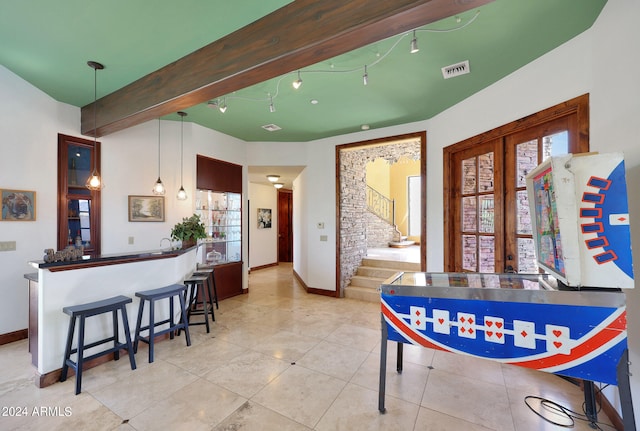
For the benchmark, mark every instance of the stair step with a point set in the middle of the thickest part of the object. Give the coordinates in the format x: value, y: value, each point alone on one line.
x: 362, y: 293
x: 369, y: 282
x: 378, y: 272
x: 391, y: 264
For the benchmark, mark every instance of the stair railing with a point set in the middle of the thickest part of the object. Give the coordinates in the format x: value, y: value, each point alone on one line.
x: 382, y: 206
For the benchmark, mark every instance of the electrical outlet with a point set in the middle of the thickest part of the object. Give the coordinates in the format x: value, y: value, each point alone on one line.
x: 130, y: 240
x: 320, y: 225
x: 7, y: 245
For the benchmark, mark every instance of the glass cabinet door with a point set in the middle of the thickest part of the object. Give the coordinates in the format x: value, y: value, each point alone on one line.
x: 221, y: 214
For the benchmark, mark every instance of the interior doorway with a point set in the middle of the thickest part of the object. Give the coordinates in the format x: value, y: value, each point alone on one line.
x: 351, y: 197
x: 285, y: 225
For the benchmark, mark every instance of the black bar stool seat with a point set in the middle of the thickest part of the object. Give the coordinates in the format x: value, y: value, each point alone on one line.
x: 209, y: 269
x: 196, y: 298
x: 152, y: 296
x: 82, y: 311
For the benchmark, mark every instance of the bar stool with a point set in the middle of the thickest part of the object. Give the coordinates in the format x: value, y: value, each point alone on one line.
x: 209, y: 269
x: 152, y: 296
x: 196, y: 297
x: 82, y: 311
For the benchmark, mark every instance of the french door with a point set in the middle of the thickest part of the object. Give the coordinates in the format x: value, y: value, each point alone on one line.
x: 487, y: 220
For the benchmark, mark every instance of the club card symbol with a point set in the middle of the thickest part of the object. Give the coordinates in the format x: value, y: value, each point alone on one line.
x: 418, y: 318
x: 494, y: 329
x: 524, y: 334
x: 558, y: 340
x: 441, y: 322
x: 467, y: 325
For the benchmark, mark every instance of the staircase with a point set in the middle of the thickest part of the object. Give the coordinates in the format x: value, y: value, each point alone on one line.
x: 371, y: 274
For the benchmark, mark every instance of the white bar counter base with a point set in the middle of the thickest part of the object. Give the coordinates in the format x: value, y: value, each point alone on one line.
x: 58, y: 288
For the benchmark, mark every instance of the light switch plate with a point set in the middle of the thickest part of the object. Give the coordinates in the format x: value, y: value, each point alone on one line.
x: 7, y: 245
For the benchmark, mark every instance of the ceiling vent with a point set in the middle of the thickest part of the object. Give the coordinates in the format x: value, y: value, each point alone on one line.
x: 457, y: 69
x: 271, y: 127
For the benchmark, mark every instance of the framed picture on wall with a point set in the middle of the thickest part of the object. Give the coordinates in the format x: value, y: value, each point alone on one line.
x: 18, y: 205
x: 264, y: 218
x: 146, y: 208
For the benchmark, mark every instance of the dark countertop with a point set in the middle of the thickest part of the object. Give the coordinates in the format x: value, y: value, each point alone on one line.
x: 109, y: 259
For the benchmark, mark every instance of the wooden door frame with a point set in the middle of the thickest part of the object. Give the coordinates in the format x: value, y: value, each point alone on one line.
x: 422, y: 137
x: 578, y: 106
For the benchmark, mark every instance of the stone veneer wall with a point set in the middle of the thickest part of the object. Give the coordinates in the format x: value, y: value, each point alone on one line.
x: 353, y: 199
x: 379, y: 231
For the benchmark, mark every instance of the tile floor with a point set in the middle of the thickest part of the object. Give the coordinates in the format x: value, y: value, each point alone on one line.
x: 281, y: 359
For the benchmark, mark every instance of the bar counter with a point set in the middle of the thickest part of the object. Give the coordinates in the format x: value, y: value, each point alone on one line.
x: 61, y: 284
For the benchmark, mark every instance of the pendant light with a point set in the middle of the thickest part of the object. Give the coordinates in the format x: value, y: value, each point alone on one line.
x: 182, y: 195
x: 158, y: 187
x: 94, y: 182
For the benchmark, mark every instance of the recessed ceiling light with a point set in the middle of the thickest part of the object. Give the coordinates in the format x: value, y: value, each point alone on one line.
x: 314, y: 101
x: 271, y: 127
x: 365, y: 127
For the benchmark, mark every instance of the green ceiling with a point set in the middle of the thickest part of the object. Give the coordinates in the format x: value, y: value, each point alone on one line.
x: 48, y: 43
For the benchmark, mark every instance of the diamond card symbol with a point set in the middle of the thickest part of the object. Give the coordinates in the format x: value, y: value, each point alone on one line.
x: 558, y: 340
x: 524, y: 334
x: 441, y: 322
x: 493, y: 329
x: 418, y: 318
x: 466, y: 325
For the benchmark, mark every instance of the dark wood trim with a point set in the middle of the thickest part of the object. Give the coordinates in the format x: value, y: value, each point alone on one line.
x: 257, y: 268
x: 313, y: 290
x: 92, y: 264
x: 300, y: 34
x: 422, y: 135
x: 578, y: 106
x: 11, y: 337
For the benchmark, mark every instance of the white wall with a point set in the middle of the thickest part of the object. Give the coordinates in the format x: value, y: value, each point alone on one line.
x: 263, y: 246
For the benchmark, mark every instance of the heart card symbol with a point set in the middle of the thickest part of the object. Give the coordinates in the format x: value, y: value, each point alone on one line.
x: 557, y: 332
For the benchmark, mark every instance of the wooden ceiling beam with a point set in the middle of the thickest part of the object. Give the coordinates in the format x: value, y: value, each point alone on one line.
x: 300, y: 34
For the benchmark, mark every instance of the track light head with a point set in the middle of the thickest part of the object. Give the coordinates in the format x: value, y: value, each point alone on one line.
x: 365, y: 77
x: 298, y: 82
x: 414, y: 44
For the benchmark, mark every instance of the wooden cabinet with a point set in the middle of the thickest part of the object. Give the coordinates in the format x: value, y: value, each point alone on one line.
x: 219, y: 204
x: 78, y: 207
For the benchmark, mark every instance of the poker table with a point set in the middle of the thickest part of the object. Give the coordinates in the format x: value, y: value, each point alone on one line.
x: 519, y: 319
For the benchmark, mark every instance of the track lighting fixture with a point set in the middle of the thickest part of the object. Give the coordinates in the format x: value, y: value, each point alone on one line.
x: 182, y: 194
x: 94, y: 182
x: 158, y: 187
x: 365, y: 77
x: 223, y: 106
x: 298, y: 82
x: 414, y: 44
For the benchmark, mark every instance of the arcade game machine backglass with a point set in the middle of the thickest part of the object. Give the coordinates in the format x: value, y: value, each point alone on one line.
x: 569, y: 321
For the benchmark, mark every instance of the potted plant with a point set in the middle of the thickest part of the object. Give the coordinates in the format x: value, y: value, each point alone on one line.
x: 189, y: 230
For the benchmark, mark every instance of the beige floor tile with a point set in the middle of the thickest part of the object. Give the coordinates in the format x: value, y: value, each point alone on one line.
x: 201, y: 359
x: 333, y: 359
x: 472, y: 400
x: 463, y: 365
x: 357, y: 337
x: 247, y: 373
x: 430, y: 420
x: 356, y: 409
x: 251, y: 416
x: 286, y: 345
x: 143, y: 388
x: 200, y: 405
x: 408, y: 385
x: 300, y: 394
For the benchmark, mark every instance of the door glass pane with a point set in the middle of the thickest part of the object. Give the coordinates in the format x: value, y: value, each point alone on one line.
x: 79, y: 164
x: 469, y: 214
x: 486, y: 216
x: 469, y: 176
x: 522, y: 213
x: 526, y: 160
x: 555, y: 145
x: 469, y: 254
x: 526, y: 256
x: 487, y: 254
x: 485, y: 172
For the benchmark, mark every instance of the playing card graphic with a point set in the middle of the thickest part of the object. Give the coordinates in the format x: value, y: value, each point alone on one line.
x: 494, y: 329
x: 466, y: 325
x: 558, y: 340
x: 441, y: 322
x: 524, y: 334
x: 418, y: 318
